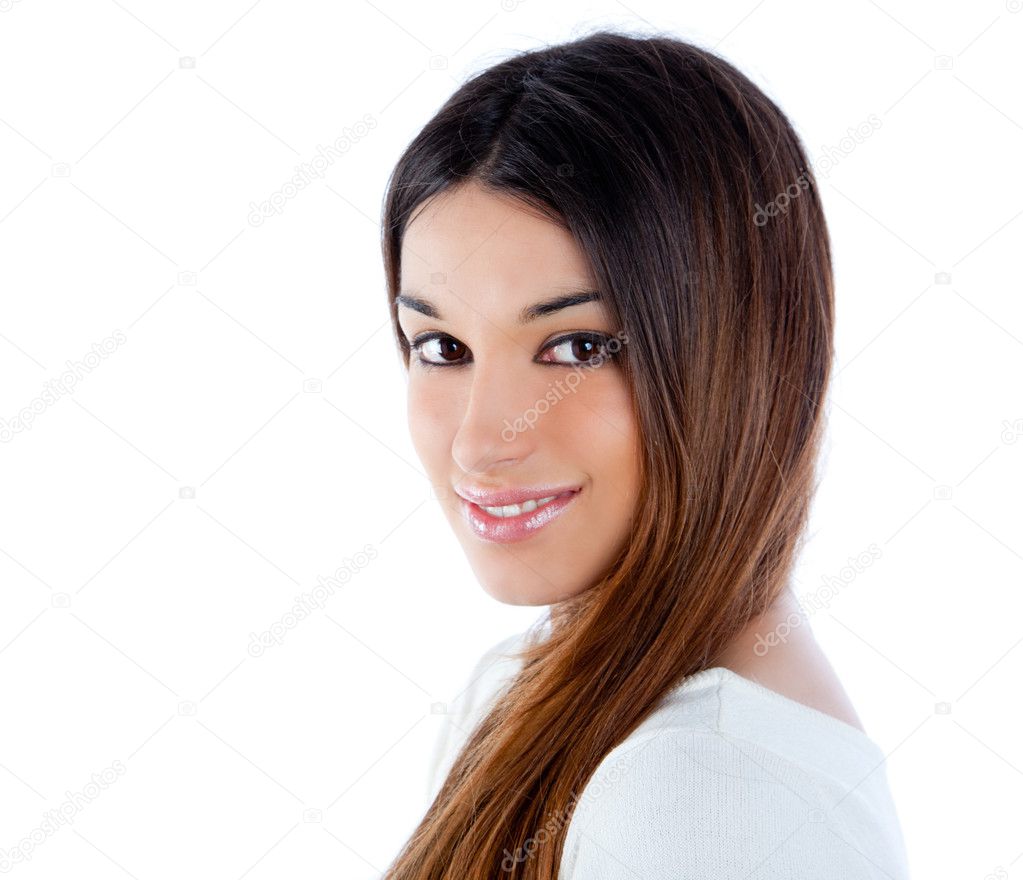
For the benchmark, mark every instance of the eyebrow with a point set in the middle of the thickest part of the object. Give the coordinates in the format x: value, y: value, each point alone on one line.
x: 526, y: 315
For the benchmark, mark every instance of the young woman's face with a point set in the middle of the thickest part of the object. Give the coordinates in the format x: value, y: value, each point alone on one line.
x: 507, y: 405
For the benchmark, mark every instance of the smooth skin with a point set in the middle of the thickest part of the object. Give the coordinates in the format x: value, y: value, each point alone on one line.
x: 478, y: 258
x: 496, y: 258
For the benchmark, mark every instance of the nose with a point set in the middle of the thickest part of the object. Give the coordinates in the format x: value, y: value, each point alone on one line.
x: 497, y: 430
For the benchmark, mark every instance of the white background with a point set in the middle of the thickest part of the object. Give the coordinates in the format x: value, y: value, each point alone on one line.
x: 257, y: 375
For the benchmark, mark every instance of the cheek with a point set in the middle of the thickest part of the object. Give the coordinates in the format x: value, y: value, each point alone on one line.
x: 602, y: 408
x: 432, y: 420
x: 608, y: 433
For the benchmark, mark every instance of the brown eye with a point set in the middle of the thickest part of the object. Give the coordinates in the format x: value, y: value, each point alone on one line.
x: 437, y: 349
x: 584, y: 347
x: 445, y: 350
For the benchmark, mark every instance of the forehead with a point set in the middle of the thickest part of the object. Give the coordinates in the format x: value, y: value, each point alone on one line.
x: 474, y: 241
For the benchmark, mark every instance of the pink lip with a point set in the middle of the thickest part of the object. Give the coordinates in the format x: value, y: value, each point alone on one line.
x: 504, y: 530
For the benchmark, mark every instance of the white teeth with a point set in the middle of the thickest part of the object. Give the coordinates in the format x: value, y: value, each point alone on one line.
x: 516, y: 509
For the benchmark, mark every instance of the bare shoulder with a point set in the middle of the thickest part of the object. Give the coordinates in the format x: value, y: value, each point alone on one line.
x: 815, y: 684
x: 796, y: 668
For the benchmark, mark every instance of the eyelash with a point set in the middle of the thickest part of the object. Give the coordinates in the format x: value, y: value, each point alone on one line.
x: 598, y: 338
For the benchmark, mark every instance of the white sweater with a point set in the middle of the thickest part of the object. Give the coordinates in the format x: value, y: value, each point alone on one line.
x: 725, y: 779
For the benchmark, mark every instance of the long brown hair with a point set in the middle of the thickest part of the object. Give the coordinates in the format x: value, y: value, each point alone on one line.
x: 691, y: 196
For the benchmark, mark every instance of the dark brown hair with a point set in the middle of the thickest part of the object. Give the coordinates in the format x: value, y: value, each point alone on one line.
x: 690, y: 194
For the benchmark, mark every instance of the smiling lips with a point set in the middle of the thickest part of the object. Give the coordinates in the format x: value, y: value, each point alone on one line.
x: 509, y: 510
x: 514, y: 521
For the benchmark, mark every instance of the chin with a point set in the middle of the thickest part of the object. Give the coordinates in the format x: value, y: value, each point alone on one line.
x: 514, y: 597
x: 502, y: 580
x: 515, y: 584
x: 515, y: 591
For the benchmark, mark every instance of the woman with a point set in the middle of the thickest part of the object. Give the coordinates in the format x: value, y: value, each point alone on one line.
x: 610, y: 281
